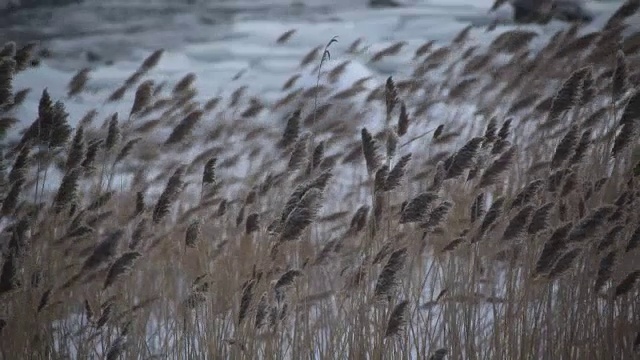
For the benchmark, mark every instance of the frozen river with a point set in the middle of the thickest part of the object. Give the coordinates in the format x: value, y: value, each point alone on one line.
x: 228, y: 44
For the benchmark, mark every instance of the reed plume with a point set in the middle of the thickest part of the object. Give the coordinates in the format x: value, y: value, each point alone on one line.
x: 605, y: 270
x: 417, y: 208
x: 552, y: 249
x: 370, y: 151
x: 588, y: 225
x: 104, y: 251
x: 540, y: 218
x: 620, y: 76
x: 396, y: 174
x: 518, y: 223
x: 441, y: 353
x: 121, y: 267
x: 398, y: 319
x: 389, y: 277
x: 192, y: 235
x: 494, y: 212
x: 463, y: 159
x: 627, y: 9
x: 390, y: 96
x: 437, y: 215
x: 568, y: 94
x: 565, y: 147
x: 78, y: 82
x: 631, y: 112
x: 67, y: 192
x: 627, y: 283
x: 302, y: 215
x: 403, y: 120
x: 184, y: 128
x: 491, y: 175
x: 142, y: 98
x: 564, y: 263
x: 634, y: 240
x: 169, y: 195
x: 7, y: 70
x: 609, y: 239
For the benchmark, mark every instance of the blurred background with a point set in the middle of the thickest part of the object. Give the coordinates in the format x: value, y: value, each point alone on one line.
x: 108, y: 30
x: 232, y: 43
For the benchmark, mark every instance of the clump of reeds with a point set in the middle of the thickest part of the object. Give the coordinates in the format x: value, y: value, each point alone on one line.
x: 316, y: 237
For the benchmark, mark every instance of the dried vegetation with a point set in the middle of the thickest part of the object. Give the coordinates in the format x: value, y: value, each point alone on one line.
x: 510, y: 234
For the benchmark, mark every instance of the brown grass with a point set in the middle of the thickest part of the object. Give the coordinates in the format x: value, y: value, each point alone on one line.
x: 511, y: 233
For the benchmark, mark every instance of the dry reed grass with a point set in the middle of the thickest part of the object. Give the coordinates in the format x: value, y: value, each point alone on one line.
x: 511, y: 236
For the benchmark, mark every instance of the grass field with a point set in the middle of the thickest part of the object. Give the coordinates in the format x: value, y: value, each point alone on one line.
x: 347, y: 224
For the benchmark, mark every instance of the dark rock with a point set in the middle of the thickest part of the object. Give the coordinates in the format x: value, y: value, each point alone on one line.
x: 535, y: 11
x: 16, y: 5
x: 383, y: 3
x: 93, y: 56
